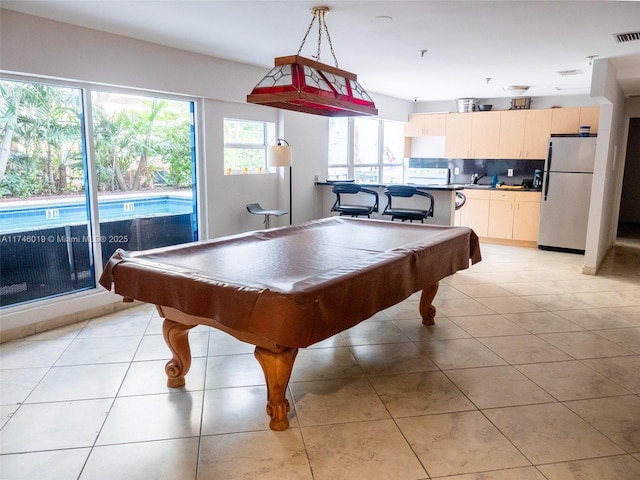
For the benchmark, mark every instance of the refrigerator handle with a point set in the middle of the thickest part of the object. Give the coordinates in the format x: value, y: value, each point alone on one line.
x: 548, y: 168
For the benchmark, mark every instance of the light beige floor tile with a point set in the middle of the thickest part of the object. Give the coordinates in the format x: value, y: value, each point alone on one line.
x: 617, y: 417
x: 52, y: 464
x: 584, y: 345
x: 512, y: 304
x: 238, y: 409
x: 233, y: 371
x: 626, y: 337
x: 17, y: 384
x: 479, y: 290
x: 612, y: 468
x: 364, y: 450
x: 488, y: 325
x: 6, y: 412
x: 461, y: 306
x: 175, y: 459
x: 392, y: 358
x: 460, y: 353
x: 524, y: 349
x: 83, y: 351
x: 622, y: 370
x: 571, y: 380
x: 444, y: 329
x: 221, y: 343
x: 619, y: 298
x: 457, y: 443
x: 67, y: 332
x: 524, y: 473
x: 491, y: 387
x: 28, y: 354
x: 600, y: 318
x: 407, y: 309
x: 324, y: 364
x: 550, y: 432
x: 81, y: 382
x: 542, y: 322
x: 53, y: 426
x: 331, y: 342
x: 336, y: 401
x: 116, y: 325
x: 419, y: 394
x: 265, y: 455
x: 144, y: 378
x: 152, y: 417
x: 154, y: 347
x: 374, y: 331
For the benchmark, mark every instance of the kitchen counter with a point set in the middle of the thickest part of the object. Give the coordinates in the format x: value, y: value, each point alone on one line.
x: 448, y: 187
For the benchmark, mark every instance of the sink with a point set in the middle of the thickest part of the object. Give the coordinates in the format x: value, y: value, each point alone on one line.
x: 473, y: 185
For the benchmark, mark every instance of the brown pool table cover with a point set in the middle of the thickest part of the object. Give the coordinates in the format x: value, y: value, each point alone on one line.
x: 295, y: 286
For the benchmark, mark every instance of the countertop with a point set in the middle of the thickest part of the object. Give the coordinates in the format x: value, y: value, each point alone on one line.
x: 448, y: 187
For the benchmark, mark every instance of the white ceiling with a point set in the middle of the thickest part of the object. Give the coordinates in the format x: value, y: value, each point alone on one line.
x: 474, y: 48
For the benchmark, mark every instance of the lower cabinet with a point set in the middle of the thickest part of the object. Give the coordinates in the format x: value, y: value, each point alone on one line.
x: 500, y: 214
x: 475, y: 212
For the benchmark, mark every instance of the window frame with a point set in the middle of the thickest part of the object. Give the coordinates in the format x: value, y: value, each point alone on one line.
x: 380, y: 164
x: 91, y: 183
x: 268, y: 138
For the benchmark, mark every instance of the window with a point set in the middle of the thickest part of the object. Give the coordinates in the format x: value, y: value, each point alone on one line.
x: 143, y: 168
x: 367, y: 150
x: 245, y: 146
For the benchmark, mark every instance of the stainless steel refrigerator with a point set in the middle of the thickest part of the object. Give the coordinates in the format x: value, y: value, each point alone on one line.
x: 566, y: 193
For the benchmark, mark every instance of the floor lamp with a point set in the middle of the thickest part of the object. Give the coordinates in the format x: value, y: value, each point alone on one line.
x: 280, y: 156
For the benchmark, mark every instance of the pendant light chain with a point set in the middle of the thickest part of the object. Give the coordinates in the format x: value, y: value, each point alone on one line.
x: 319, y: 12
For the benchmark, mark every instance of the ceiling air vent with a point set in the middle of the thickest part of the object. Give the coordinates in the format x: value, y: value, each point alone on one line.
x: 566, y: 73
x: 626, y: 37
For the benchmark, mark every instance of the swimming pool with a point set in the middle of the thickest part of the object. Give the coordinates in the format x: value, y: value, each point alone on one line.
x: 47, y: 247
x: 41, y: 216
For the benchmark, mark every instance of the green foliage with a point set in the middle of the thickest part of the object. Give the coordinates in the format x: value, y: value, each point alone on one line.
x: 133, y: 138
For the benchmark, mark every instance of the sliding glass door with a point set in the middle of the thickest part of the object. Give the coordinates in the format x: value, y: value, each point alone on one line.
x: 142, y: 166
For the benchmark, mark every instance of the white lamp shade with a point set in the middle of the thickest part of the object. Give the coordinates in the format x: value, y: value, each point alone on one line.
x: 279, y: 156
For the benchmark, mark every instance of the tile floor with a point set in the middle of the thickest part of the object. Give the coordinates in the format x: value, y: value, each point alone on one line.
x: 531, y: 373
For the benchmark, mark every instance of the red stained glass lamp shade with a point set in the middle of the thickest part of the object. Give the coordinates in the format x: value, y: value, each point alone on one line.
x: 303, y: 85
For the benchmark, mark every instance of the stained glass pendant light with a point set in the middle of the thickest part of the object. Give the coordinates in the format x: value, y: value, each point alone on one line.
x: 304, y: 85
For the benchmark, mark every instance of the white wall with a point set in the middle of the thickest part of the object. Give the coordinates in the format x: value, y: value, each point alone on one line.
x: 45, y: 49
x: 609, y: 165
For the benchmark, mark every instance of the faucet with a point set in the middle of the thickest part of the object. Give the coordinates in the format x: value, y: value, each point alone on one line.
x: 475, y: 177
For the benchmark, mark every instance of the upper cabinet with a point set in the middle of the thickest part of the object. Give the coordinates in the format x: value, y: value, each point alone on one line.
x: 569, y: 120
x: 457, y: 143
x: 485, y: 134
x: 509, y: 134
x: 426, y: 125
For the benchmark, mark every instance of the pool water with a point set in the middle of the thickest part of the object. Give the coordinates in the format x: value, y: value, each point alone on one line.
x: 41, y: 217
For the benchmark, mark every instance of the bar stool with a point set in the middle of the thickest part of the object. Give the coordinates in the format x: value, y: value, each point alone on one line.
x: 256, y: 209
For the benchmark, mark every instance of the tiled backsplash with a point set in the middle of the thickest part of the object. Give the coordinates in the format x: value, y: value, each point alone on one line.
x: 522, y: 169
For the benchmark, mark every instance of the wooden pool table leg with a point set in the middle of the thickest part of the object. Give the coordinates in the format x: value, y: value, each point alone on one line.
x: 176, y: 335
x: 277, y: 368
x: 427, y: 310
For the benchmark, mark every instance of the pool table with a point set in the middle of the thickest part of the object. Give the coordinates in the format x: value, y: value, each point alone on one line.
x: 287, y: 288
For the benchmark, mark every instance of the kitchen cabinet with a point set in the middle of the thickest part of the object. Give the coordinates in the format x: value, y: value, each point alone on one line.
x: 457, y: 143
x: 475, y: 212
x: 485, y: 134
x: 514, y: 215
x: 508, y: 216
x: 526, y: 216
x: 426, y: 125
x: 569, y: 120
x: 537, y: 130
x: 512, y: 124
x: 524, y: 134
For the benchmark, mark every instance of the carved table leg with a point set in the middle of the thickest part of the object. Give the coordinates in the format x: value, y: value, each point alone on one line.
x: 277, y: 370
x: 427, y: 310
x: 176, y: 335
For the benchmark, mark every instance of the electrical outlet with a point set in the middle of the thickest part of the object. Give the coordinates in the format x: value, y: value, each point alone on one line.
x: 456, y: 171
x: 510, y: 172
